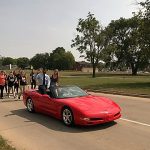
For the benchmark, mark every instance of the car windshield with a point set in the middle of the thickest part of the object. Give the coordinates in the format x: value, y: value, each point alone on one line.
x: 67, y: 92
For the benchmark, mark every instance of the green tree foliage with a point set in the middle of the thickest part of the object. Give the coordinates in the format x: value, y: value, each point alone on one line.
x: 89, y: 40
x: 0, y: 63
x: 144, y: 14
x: 40, y: 61
x: 61, y: 59
x: 125, y: 36
x: 69, y: 61
x: 23, y: 62
x: 7, y: 61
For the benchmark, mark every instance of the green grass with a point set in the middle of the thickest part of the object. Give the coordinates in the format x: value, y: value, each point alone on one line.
x: 110, y: 81
x: 120, y: 84
x: 4, y: 145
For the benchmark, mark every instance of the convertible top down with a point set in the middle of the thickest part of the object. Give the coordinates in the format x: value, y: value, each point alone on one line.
x: 72, y: 105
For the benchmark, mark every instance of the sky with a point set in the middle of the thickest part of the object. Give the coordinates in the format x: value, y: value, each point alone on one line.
x: 28, y: 27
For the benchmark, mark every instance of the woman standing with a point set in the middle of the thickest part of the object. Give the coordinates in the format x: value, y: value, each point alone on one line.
x: 55, y: 78
x: 11, y: 81
x: 2, y: 83
x: 16, y: 85
x: 22, y: 83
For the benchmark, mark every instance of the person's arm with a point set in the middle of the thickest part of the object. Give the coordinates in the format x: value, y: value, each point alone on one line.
x: 37, y: 79
x: 26, y: 80
x: 19, y: 80
x: 15, y: 81
x: 49, y: 81
x: 57, y: 80
x: 6, y: 79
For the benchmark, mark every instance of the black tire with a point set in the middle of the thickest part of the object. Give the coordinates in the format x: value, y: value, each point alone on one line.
x: 30, y: 105
x: 67, y: 116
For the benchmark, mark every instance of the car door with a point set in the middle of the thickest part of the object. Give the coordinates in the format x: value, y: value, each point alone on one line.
x: 37, y: 97
x: 49, y: 104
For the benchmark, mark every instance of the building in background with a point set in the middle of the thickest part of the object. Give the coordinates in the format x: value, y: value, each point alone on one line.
x: 84, y: 67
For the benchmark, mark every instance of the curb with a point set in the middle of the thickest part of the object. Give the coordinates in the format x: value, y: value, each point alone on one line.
x: 119, y: 93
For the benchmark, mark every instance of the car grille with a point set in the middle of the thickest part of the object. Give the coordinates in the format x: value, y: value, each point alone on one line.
x: 94, y: 119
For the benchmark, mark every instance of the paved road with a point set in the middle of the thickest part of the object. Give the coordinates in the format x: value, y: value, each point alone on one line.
x: 39, y: 132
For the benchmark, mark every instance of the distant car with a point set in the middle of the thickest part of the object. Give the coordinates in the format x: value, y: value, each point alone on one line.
x: 72, y: 105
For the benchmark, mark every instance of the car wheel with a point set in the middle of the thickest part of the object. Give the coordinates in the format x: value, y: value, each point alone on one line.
x: 30, y: 105
x: 67, y: 116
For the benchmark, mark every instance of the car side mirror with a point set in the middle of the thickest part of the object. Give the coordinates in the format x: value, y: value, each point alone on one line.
x: 87, y: 92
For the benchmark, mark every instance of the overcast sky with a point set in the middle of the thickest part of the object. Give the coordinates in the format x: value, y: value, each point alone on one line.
x: 28, y: 27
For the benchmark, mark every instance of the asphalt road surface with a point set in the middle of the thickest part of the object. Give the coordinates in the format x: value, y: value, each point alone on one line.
x: 28, y: 131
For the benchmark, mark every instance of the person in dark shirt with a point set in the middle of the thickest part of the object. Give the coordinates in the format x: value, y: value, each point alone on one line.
x: 43, y: 81
x: 33, y: 79
x: 16, y: 85
x: 22, y: 83
x: 55, y: 78
x: 11, y: 81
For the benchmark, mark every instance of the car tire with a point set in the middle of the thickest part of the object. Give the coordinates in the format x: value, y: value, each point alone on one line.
x: 67, y: 116
x: 30, y: 105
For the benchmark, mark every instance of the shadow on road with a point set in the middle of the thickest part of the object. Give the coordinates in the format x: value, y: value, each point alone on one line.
x: 54, y: 124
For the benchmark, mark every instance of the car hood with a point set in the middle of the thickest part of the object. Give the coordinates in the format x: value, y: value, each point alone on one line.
x: 92, y: 103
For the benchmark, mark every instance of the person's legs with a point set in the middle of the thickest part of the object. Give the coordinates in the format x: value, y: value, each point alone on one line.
x: 20, y: 93
x: 24, y: 88
x: 6, y: 89
x: 1, y: 88
x: 31, y: 85
x: 34, y: 84
x: 13, y: 91
x: 9, y: 88
x: 16, y: 87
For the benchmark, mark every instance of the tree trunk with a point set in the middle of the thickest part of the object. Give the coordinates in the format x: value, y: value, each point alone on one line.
x: 94, y: 68
x: 134, y: 69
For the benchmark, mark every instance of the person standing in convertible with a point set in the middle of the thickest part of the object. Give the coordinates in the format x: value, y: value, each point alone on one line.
x: 43, y: 81
x: 55, y: 78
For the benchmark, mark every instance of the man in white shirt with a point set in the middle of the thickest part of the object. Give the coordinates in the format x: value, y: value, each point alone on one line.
x: 43, y: 81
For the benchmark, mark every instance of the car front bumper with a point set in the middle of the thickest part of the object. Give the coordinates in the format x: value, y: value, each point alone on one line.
x: 96, y: 121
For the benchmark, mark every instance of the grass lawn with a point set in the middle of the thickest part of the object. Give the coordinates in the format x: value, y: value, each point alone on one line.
x: 121, y: 84
x: 111, y: 81
x: 4, y: 145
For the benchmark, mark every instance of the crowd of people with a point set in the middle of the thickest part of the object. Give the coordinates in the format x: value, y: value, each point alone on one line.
x: 16, y: 82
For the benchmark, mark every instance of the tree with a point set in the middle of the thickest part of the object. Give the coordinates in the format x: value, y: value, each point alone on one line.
x: 56, y: 58
x: 23, y: 62
x: 40, y: 61
x: 125, y: 36
x: 144, y: 14
x: 59, y: 50
x: 0, y: 63
x: 69, y: 61
x: 61, y: 59
x: 89, y: 40
x: 7, y: 61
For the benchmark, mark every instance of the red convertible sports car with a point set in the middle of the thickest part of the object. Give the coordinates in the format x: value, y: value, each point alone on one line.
x: 72, y: 105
